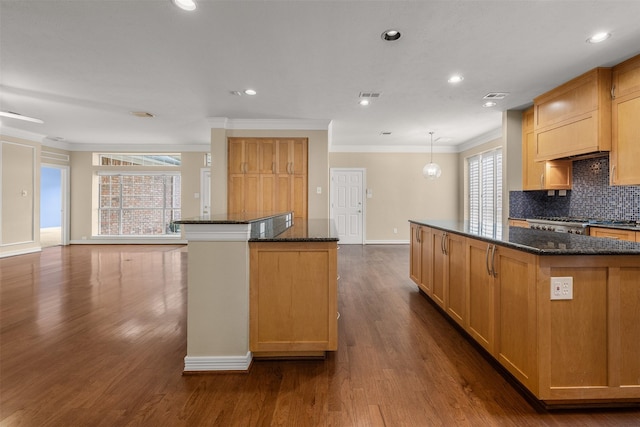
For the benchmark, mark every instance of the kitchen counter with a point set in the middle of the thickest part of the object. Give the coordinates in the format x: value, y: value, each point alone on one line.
x: 242, y: 263
x: 558, y: 311
x: 274, y: 227
x: 541, y: 242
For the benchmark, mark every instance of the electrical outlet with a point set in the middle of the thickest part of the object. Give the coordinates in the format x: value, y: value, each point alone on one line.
x: 561, y: 288
x: 395, y: 231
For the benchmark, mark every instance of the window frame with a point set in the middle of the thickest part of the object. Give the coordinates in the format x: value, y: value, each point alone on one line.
x: 485, y: 217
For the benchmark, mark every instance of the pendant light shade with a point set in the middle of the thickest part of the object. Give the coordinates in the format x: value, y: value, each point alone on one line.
x: 431, y: 170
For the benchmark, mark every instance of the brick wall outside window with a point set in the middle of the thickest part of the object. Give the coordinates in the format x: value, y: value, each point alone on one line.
x: 139, y: 205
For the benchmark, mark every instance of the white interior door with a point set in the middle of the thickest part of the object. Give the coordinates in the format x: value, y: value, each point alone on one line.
x: 347, y: 204
x: 205, y: 191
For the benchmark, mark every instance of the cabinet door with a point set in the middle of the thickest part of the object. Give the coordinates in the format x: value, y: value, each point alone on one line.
x: 456, y: 300
x: 481, y: 300
x: 252, y: 155
x: 298, y: 156
x: 438, y: 265
x: 532, y: 171
x: 574, y: 118
x: 415, y: 261
x: 299, y: 196
x: 611, y: 233
x: 236, y: 156
x: 293, y: 297
x: 267, y: 157
x: 515, y: 281
x: 252, y: 193
x: 267, y: 192
x: 625, y: 110
x: 235, y: 199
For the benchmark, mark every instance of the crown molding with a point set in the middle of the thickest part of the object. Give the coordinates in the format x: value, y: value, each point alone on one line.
x: 480, y: 139
x: 22, y: 134
x: 268, y: 124
x: 392, y: 149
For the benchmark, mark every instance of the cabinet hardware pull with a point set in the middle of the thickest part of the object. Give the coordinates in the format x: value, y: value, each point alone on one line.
x: 273, y: 167
x: 446, y: 244
x: 541, y: 180
x: 493, y: 262
x: 418, y: 234
x: 613, y: 173
x: 486, y: 259
x: 613, y: 92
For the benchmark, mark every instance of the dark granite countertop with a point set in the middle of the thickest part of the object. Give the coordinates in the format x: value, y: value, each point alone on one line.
x: 303, y: 230
x: 541, y: 242
x: 237, y: 218
x: 275, y: 227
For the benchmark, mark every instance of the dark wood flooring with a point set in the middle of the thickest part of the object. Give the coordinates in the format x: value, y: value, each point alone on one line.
x: 95, y: 336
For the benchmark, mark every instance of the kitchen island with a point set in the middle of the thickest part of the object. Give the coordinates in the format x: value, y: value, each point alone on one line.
x: 573, y: 343
x: 253, y: 279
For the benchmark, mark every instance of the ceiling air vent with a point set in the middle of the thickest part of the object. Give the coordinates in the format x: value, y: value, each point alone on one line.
x: 496, y: 95
x: 370, y: 94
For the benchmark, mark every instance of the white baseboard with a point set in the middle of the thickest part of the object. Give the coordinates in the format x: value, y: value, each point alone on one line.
x: 217, y: 363
x: 141, y: 241
x: 20, y: 252
x: 386, y: 242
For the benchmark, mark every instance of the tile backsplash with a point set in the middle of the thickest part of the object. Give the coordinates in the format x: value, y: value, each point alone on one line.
x: 591, y: 196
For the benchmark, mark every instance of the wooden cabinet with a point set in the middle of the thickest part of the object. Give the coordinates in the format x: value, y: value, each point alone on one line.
x: 518, y: 223
x: 516, y: 313
x: 482, y: 293
x: 420, y: 264
x: 455, y: 289
x: 613, y: 233
x: 266, y: 175
x: 541, y: 175
x: 293, y: 298
x: 291, y: 176
x: 574, y: 118
x: 625, y: 114
x: 562, y: 351
x: 437, y: 267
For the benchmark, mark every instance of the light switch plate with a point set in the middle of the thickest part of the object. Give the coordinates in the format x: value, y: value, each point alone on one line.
x: 561, y: 288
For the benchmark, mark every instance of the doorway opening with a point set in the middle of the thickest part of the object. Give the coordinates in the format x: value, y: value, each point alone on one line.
x: 54, y: 225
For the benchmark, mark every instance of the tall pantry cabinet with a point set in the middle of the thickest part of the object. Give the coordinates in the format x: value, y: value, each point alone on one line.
x: 267, y: 175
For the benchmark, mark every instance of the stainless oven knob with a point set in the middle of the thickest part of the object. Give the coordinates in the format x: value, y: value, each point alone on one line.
x: 578, y: 231
x: 570, y: 231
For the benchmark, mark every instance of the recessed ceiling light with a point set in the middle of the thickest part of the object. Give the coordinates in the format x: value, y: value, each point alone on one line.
x: 364, y: 102
x: 489, y: 104
x: 598, y: 37
x: 185, y: 4
x: 142, y: 114
x: 18, y: 116
x: 456, y: 78
x: 391, y: 35
x: 250, y: 92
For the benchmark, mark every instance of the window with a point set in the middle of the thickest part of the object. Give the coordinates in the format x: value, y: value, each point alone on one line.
x: 138, y: 204
x: 123, y: 159
x: 485, y: 193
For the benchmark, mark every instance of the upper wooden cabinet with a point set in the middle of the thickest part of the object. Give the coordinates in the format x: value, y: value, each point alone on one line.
x: 267, y: 175
x: 541, y: 175
x: 625, y: 115
x: 574, y: 118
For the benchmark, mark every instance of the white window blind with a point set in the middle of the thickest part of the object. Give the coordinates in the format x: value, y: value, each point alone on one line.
x: 485, y: 193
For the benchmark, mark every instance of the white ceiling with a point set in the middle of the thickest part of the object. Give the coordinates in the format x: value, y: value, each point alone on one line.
x: 82, y: 66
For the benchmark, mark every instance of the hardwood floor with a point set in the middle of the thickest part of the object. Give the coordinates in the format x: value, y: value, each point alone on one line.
x: 95, y: 336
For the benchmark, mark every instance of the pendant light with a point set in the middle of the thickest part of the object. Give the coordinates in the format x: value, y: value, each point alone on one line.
x: 431, y: 170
